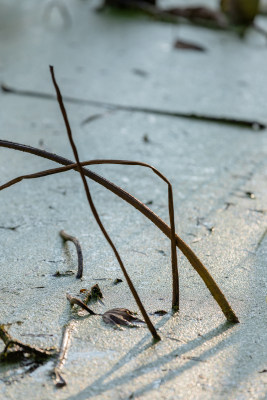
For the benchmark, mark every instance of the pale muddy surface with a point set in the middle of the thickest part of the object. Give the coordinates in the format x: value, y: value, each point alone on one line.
x: 218, y: 174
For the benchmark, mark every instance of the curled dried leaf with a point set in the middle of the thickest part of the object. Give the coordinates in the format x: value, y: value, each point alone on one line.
x: 120, y: 316
x: 94, y: 294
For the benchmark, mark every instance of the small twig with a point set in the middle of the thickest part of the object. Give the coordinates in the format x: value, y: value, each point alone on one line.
x: 95, y: 213
x: 65, y: 343
x: 255, y: 125
x: 75, y: 241
x: 10, y: 228
x: 141, y: 207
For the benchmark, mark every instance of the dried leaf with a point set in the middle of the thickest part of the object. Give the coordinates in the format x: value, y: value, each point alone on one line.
x: 120, y: 316
x: 127, y: 3
x: 250, y: 195
x: 160, y: 312
x: 184, y: 45
x: 94, y: 294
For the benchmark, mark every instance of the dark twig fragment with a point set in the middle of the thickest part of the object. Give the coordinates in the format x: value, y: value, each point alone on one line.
x: 59, y: 274
x: 117, y: 281
x: 199, y: 14
x: 185, y: 45
x: 65, y: 343
x: 10, y: 228
x: 75, y: 241
x: 160, y: 312
x: 242, y: 123
x: 80, y: 303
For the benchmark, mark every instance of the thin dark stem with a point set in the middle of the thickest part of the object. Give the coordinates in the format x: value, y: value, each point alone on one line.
x: 255, y: 125
x: 75, y: 241
x: 186, y: 250
x: 175, y: 276
x: 95, y: 213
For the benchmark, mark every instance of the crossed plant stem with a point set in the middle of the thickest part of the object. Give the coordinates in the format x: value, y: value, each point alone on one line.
x: 168, y: 231
x: 175, y: 291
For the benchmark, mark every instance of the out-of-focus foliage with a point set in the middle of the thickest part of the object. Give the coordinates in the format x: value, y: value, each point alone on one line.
x: 240, y: 11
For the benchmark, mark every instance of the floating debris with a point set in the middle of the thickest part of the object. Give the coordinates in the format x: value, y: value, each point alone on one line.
x: 184, y: 45
x: 160, y: 312
x: 251, y: 195
x: 140, y: 72
x: 117, y: 280
x: 59, y: 274
x: 120, y: 316
x: 146, y: 138
x: 94, y: 294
